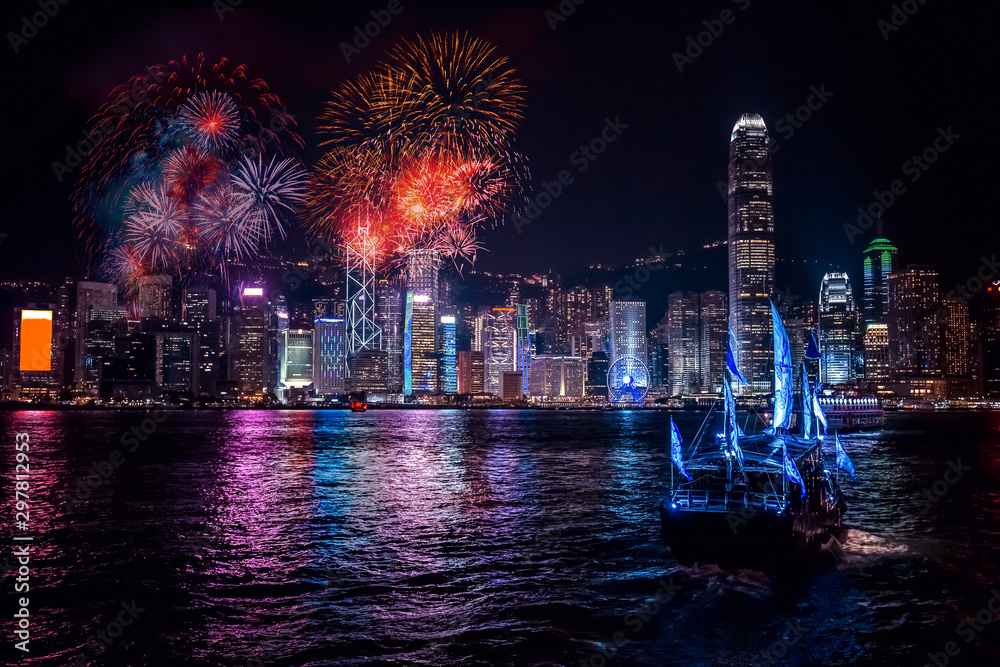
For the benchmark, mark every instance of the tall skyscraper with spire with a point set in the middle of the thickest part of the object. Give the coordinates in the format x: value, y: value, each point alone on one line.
x: 751, y: 249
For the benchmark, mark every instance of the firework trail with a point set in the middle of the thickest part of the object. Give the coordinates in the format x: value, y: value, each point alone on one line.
x: 420, y: 151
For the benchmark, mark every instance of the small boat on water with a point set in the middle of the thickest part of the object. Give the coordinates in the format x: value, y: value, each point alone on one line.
x: 765, y: 500
x: 358, y: 401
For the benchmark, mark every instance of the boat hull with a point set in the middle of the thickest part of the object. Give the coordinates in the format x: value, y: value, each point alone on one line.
x: 766, y: 542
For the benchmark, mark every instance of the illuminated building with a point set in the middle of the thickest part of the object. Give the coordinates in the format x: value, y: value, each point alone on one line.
x: 510, y: 385
x: 499, y: 347
x: 420, y: 364
x: 368, y: 371
x: 697, y: 337
x: 420, y: 345
x: 713, y: 327
x: 876, y: 354
x: 389, y: 317
x: 153, y: 297
x: 89, y: 295
x: 556, y: 376
x: 914, y: 345
x: 751, y: 250
x: 105, y: 325
x: 201, y: 305
x: 959, y: 335
x: 523, y: 334
x: 201, y: 312
x: 991, y: 341
x: 470, y: 372
x: 329, y: 356
x: 597, y: 374
x: 683, y: 374
x: 174, y: 360
x: 447, y: 352
x: 880, y: 256
x: 35, y: 366
x: 252, y: 341
x: 838, y: 330
x: 295, y: 349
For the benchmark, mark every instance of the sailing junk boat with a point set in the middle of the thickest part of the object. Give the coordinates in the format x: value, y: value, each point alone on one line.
x: 759, y: 500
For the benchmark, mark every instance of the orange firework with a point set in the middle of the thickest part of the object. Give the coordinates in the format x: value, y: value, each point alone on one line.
x: 420, y: 149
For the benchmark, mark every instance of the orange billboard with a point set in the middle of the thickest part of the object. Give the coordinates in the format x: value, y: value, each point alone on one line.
x: 36, y: 340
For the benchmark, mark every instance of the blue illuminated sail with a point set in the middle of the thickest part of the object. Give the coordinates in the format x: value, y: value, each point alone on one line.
x: 782, y: 375
x: 843, y: 460
x: 807, y: 409
x: 792, y: 472
x: 675, y: 449
x: 818, y: 412
x: 732, y: 428
x: 812, y: 351
x: 731, y: 360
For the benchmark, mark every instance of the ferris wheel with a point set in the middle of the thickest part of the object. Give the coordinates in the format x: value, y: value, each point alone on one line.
x: 628, y: 380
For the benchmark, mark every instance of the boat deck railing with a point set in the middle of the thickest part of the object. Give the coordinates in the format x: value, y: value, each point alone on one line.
x: 727, y: 501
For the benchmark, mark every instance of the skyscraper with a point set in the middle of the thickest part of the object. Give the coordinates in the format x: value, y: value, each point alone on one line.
x: 696, y: 341
x: 470, y: 372
x: 876, y: 350
x: 420, y: 366
x: 296, y: 354
x: 89, y: 295
x: 713, y: 340
x: 35, y: 368
x: 682, y: 342
x: 389, y: 317
x: 499, y: 347
x: 329, y: 356
x: 880, y: 256
x: 251, y: 340
x: 154, y: 297
x: 447, y: 352
x: 751, y: 249
x: 838, y: 323
x: 914, y: 345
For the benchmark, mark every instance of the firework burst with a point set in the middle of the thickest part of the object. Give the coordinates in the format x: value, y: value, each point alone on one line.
x: 420, y: 150
x: 212, y: 119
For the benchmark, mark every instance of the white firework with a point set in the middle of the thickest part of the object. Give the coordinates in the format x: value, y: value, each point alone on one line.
x: 154, y: 224
x: 269, y: 191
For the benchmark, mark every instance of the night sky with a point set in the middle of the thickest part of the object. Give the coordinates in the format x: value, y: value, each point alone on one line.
x: 656, y: 184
